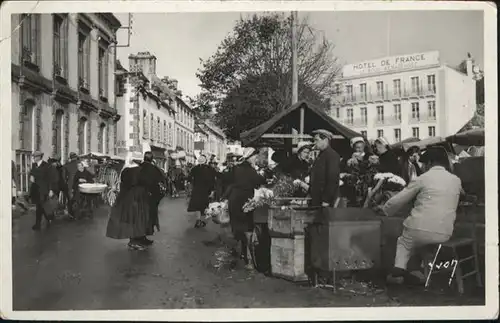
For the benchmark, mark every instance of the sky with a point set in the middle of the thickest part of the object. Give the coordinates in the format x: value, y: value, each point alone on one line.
x: 179, y: 40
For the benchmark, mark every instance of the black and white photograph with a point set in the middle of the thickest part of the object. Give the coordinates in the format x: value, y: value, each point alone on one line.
x: 248, y: 160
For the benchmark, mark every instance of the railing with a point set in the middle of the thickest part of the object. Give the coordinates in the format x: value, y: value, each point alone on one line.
x: 387, y: 121
x: 417, y: 118
x: 358, y: 122
x: 403, y: 92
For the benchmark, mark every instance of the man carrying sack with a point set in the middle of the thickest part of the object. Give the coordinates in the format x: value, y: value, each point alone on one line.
x: 43, y: 184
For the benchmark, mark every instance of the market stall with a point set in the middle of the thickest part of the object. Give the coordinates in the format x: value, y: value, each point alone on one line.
x: 284, y: 222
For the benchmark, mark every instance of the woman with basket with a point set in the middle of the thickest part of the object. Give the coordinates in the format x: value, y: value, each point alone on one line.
x: 245, y: 180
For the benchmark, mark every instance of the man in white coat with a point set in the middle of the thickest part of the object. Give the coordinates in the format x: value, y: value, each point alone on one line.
x: 435, y: 196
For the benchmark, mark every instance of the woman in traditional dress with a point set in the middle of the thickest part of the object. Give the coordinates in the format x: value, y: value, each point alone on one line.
x: 388, y: 160
x: 81, y: 204
x: 202, y: 179
x: 130, y: 216
x: 245, y: 180
x: 299, y: 165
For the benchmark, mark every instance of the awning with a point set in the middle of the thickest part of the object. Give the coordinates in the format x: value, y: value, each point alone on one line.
x: 474, y: 137
x: 314, y: 119
x: 399, y: 145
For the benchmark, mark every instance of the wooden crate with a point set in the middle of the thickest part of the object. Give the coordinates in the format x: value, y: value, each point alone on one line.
x: 287, y: 258
x: 345, y: 241
x: 289, y: 222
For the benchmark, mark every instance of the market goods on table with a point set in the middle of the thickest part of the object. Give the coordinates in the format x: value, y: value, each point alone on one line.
x: 92, y: 188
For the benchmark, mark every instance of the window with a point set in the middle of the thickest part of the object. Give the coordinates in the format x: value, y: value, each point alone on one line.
x: 145, y: 124
x: 29, y: 132
x: 102, y: 138
x: 397, y: 135
x: 431, y: 83
x: 58, y: 135
x: 82, y: 135
x: 364, y: 133
x: 158, y: 129
x: 337, y: 89
x: 415, y: 132
x: 380, y: 133
x: 83, y: 59
x: 431, y: 105
x: 414, y: 85
x: 397, y: 87
x: 350, y: 93
x: 165, y: 132
x: 380, y: 113
x: 432, y: 131
x: 364, y: 115
x: 30, y: 38
x: 362, y: 90
x: 178, y: 139
x: 170, y: 134
x: 415, y: 111
x: 60, y: 43
x: 152, y: 132
x: 337, y: 113
x: 397, y: 112
x: 103, y: 69
x: 350, y: 116
x: 380, y: 89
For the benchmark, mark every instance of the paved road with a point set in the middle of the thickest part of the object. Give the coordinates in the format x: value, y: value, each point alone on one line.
x: 74, y: 266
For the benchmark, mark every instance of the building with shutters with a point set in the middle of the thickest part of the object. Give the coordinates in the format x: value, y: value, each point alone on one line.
x: 147, y: 106
x: 63, y: 86
x: 184, y: 124
x: 210, y: 141
x: 405, y: 96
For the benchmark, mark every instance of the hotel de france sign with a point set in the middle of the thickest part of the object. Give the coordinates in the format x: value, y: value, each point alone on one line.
x: 391, y: 64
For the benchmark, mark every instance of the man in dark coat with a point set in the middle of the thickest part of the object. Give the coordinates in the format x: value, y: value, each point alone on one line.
x: 150, y: 178
x: 325, y: 171
x: 43, y: 180
x: 69, y: 170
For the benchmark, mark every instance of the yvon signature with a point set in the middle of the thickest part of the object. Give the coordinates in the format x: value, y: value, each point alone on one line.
x: 435, y: 266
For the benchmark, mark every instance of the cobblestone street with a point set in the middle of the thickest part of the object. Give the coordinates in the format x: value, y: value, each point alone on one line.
x: 73, y: 266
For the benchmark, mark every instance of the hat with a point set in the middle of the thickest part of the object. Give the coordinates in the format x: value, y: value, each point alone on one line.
x: 355, y: 140
x: 435, y: 155
x: 383, y: 141
x: 72, y: 155
x: 303, y: 145
x: 249, y: 152
x: 324, y: 133
x: 37, y: 154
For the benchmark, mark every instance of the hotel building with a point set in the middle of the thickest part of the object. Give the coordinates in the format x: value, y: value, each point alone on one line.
x: 63, y: 86
x: 405, y: 96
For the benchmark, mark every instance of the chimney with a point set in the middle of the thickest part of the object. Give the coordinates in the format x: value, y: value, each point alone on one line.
x: 469, y: 65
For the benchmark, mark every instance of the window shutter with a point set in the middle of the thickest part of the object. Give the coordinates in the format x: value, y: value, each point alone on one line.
x: 38, y: 129
x: 34, y: 37
x: 89, y: 135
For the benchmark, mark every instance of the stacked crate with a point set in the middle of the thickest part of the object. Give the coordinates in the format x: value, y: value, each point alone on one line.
x: 287, y: 231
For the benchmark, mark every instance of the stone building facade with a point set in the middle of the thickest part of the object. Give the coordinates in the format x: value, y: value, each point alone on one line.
x: 63, y: 86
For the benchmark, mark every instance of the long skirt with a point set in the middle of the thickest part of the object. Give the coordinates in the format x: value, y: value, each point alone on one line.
x: 199, y: 199
x: 240, y: 221
x: 130, y: 217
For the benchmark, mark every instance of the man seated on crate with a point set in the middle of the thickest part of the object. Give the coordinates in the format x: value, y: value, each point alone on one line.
x: 435, y: 196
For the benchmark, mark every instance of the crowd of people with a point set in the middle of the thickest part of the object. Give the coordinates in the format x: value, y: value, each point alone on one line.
x: 430, y: 189
x: 52, y: 185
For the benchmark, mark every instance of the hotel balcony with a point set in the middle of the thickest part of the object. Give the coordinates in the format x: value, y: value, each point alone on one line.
x: 357, y: 97
x: 387, y: 121
x: 358, y: 122
x: 418, y: 118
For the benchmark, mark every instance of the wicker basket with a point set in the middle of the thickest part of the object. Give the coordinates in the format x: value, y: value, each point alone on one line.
x: 92, y: 188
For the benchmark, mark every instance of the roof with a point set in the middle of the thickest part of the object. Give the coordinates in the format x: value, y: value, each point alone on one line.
x: 207, y: 125
x: 315, y: 118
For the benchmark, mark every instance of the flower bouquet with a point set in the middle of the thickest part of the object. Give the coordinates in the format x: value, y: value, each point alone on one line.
x: 218, y: 212
x: 262, y: 196
x: 386, y: 186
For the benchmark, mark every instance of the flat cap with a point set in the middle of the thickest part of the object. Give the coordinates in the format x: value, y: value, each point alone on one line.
x: 324, y: 133
x: 37, y: 154
x: 435, y: 154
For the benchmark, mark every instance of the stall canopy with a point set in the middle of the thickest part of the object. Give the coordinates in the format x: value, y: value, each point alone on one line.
x: 474, y: 137
x: 400, y: 145
x: 272, y: 132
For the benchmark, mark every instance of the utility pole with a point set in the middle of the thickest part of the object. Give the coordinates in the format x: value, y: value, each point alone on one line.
x: 295, y: 78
